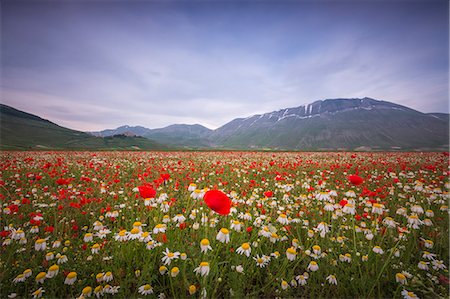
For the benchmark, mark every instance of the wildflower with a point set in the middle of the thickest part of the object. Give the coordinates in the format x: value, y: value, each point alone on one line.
x: 378, y: 250
x: 134, y: 234
x: 87, y: 291
x: 414, y: 221
x: 217, y: 201
x: 275, y: 254
x: 350, y: 193
x: 111, y: 289
x: 423, y: 265
x: 192, y: 289
x: 377, y: 208
x: 355, y: 179
x: 56, y: 244
x: 204, y: 245
x: 283, y: 219
x: 349, y: 209
x: 331, y: 279
x: 409, y: 295
x: 302, y: 278
x: 159, y: 228
x: 389, y: 222
x: 95, y: 248
x: 202, y: 269
x: 329, y: 207
x: 151, y: 244
x: 223, y: 235
x: 260, y: 262
x: 108, y: 276
x: 17, y: 234
x: 183, y: 256
x: 40, y: 245
x: 71, y: 278
x: 323, y: 196
x: 313, y: 266
x: 428, y: 244
x: 345, y: 257
x: 169, y: 256
x: 427, y: 222
x: 38, y: 293
x: 317, y: 249
x: 27, y: 273
x: 98, y: 225
x: 98, y: 291
x: 438, y: 265
x: 323, y: 228
x: 401, y: 278
x: 429, y: 256
x: 19, y: 278
x: 239, y: 269
x: 291, y: 253
x: 179, y: 218
x: 40, y: 277
x: 145, y: 289
x: 49, y: 256
x: 145, y: 237
x: 417, y: 209
x: 174, y: 271
x: 244, y: 249
x: 265, y: 232
x: 121, y: 236
x: 365, y: 258
x: 429, y: 213
x: 236, y: 225
x: 146, y: 191
x: 163, y: 270
x: 52, y: 271
x: 88, y: 237
x: 284, y: 284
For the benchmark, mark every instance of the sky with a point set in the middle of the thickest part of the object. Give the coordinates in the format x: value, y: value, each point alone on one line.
x: 94, y: 65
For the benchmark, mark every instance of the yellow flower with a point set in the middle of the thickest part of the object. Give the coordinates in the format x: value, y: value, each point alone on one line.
x: 291, y: 253
x: 244, y: 249
x: 87, y: 291
x: 192, y: 289
x: 40, y: 277
x: 71, y: 278
x: 174, y: 271
x: 401, y: 278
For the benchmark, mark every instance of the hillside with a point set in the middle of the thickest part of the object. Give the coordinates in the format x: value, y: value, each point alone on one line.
x: 338, y: 124
x: 21, y: 130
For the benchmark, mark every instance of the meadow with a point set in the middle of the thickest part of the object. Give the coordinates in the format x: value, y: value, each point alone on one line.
x: 224, y: 225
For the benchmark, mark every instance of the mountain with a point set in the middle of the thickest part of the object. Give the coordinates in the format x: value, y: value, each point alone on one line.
x: 337, y: 124
x: 21, y: 130
x: 332, y: 124
x: 179, y: 135
x: 128, y: 130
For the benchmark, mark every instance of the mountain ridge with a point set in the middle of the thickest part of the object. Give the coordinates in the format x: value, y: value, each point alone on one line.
x: 22, y: 130
x: 330, y: 124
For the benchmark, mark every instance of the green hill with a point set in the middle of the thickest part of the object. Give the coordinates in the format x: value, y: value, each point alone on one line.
x: 21, y: 130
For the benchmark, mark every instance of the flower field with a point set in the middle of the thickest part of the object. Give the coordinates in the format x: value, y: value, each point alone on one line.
x: 224, y: 224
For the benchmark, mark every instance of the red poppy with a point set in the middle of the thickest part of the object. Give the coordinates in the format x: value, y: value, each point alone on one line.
x: 217, y: 201
x: 355, y: 179
x: 268, y: 194
x: 147, y: 191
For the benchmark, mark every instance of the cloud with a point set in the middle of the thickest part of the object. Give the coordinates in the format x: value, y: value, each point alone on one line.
x: 158, y: 64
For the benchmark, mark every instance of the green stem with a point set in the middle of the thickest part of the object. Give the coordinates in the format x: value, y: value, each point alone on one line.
x: 382, y: 269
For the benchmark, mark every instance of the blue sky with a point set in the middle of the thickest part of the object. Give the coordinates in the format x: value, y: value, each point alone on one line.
x: 92, y: 65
